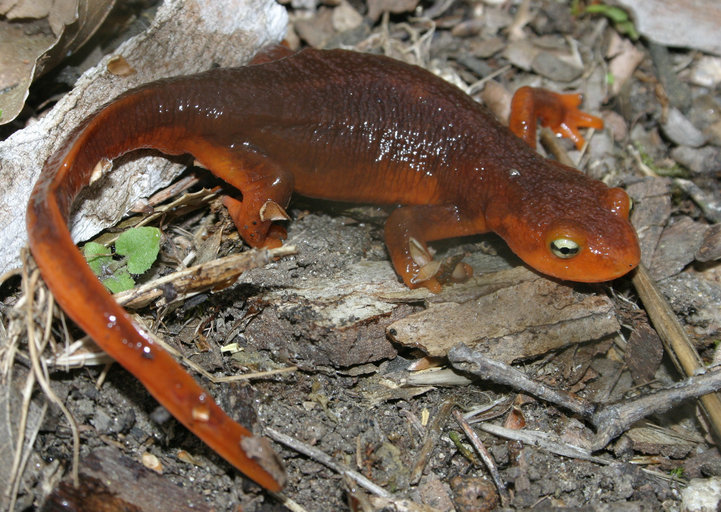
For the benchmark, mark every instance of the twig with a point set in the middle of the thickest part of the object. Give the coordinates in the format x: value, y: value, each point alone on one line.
x: 609, y: 420
x: 465, y: 359
x: 326, y: 460
x: 542, y: 440
x: 487, y: 459
x: 675, y: 341
x: 612, y: 420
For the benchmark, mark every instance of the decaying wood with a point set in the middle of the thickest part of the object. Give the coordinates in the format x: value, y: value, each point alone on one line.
x: 506, y: 325
x: 659, y: 441
x: 112, y: 482
x: 183, y: 284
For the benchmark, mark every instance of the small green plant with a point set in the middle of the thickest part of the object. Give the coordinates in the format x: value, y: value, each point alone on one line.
x: 677, y: 472
x: 675, y: 171
x: 618, y: 17
x: 139, y: 248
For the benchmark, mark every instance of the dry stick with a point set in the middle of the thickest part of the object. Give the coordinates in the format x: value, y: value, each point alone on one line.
x: 675, y: 341
x: 487, y: 459
x: 608, y: 420
x: 674, y: 338
x: 326, y: 460
x: 544, y: 441
x: 611, y: 421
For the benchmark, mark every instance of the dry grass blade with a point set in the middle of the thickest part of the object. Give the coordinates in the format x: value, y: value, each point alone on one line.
x: 485, y: 455
x: 36, y: 347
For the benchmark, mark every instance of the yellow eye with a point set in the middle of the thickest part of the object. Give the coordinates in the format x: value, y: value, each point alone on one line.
x: 564, y: 248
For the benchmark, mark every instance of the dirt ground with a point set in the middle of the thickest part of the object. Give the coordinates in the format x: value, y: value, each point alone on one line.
x: 318, y: 321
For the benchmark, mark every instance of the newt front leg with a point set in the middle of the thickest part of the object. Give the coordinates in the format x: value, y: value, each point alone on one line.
x: 409, y: 228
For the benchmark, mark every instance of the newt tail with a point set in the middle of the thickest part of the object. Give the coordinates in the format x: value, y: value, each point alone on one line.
x: 86, y: 301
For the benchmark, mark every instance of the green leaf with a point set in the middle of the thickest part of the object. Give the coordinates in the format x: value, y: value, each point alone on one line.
x: 120, y: 281
x: 140, y: 246
x: 615, y: 14
x: 98, y: 257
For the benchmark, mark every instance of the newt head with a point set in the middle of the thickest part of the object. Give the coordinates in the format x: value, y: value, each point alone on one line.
x: 571, y: 232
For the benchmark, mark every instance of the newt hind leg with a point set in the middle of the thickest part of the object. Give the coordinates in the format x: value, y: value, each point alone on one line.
x: 407, y: 231
x: 265, y: 189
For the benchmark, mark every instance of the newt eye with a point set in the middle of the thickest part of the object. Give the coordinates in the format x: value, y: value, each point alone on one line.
x: 564, y: 248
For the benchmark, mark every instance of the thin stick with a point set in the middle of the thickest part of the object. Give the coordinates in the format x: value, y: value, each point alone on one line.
x: 487, y: 459
x: 675, y: 341
x: 609, y: 420
x: 544, y: 441
x: 326, y: 460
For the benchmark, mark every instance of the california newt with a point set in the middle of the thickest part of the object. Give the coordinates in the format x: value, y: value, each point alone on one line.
x: 338, y: 125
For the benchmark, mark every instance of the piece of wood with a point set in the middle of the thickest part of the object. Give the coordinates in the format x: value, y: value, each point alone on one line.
x: 507, y: 326
x: 112, y: 482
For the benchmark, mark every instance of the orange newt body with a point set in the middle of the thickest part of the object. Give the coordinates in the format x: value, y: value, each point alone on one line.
x: 336, y: 125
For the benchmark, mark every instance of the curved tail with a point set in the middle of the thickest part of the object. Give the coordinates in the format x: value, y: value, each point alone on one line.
x: 131, y: 122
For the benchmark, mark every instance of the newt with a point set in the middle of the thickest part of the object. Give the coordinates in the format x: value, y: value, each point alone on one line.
x: 336, y: 125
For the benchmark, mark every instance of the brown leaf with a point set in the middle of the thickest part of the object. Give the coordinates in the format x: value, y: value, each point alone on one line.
x: 37, y: 36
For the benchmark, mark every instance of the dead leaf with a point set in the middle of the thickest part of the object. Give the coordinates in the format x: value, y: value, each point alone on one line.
x: 35, y: 35
x: 643, y: 353
x: 625, y: 59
